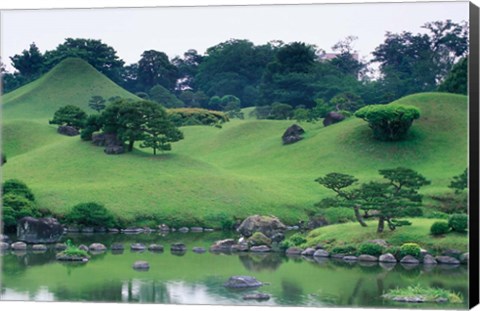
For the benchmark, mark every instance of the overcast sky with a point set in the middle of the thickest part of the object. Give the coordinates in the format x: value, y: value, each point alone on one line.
x: 175, y: 30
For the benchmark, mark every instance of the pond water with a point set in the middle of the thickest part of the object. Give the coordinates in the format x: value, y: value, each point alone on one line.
x: 198, y: 278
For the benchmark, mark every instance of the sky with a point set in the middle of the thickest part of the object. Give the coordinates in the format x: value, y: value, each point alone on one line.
x: 174, y: 30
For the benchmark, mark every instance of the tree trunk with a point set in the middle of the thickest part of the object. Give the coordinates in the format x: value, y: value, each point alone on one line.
x: 154, y: 151
x: 130, y: 145
x: 381, y: 224
x: 356, y: 208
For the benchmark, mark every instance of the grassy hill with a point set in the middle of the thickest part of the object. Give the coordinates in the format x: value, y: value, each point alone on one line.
x: 214, y: 173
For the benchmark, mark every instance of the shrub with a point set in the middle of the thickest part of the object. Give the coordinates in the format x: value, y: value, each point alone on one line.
x: 92, y: 124
x: 394, y: 250
x: 389, y: 122
x: 345, y: 249
x: 338, y: 215
x: 220, y: 220
x: 17, y: 187
x: 296, y: 239
x: 370, y: 249
x: 412, y: 249
x: 196, y: 116
x: 413, y: 211
x: 69, y: 115
x: 73, y: 250
x: 458, y: 222
x: 452, y: 203
x: 439, y: 228
x: 14, y: 208
x: 90, y: 215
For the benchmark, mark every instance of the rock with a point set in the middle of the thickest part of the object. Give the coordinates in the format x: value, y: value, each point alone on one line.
x: 260, y: 249
x: 141, y: 265
x: 137, y: 247
x: 294, y: 251
x: 148, y: 230
x: 268, y: 225
x: 183, y: 230
x: 429, y: 260
x: 163, y: 228
x: 316, y: 222
x: 338, y: 256
x: 423, y: 252
x: 39, y: 248
x: 199, y: 250
x: 319, y: 246
x: 73, y: 229
x: 113, y: 230
x: 387, y: 258
x: 321, y: 253
x: 97, y: 247
x: 42, y: 230
x: 178, y: 247
x: 259, y: 238
x: 63, y: 257
x: 258, y: 296
x: 132, y: 230
x: 410, y: 299
x: 208, y: 230
x: 308, y: 252
x: 447, y: 260
x: 240, y: 282
x: 117, y: 247
x: 60, y: 246
x: 114, y: 150
x: 4, y: 246
x: 368, y: 258
x: 333, y: 117
x: 87, y: 230
x: 196, y: 229
x: 18, y: 246
x: 464, y: 258
x: 223, y: 245
x: 155, y: 248
x: 380, y: 242
x: 110, y: 141
x: 409, y: 260
x: 452, y: 253
x: 292, y: 134
x: 83, y: 247
x: 100, y: 229
x: 67, y: 130
x: 278, y: 237
x: 241, y: 247
x: 350, y: 258
x: 4, y: 238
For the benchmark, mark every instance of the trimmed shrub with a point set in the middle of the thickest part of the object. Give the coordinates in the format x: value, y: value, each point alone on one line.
x: 389, y: 122
x: 17, y: 187
x: 458, y: 222
x: 439, y: 228
x: 196, y: 116
x: 345, y: 249
x: 90, y: 214
x: 412, y: 249
x: 69, y: 115
x: 370, y: 249
x: 295, y: 240
x: 14, y: 208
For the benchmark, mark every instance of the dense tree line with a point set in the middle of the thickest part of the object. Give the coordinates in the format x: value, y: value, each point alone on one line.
x: 293, y: 74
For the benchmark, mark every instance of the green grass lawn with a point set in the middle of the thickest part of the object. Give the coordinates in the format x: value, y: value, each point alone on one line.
x: 239, y: 170
x: 418, y: 232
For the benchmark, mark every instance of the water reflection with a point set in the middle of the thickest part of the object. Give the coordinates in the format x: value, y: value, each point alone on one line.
x: 261, y: 262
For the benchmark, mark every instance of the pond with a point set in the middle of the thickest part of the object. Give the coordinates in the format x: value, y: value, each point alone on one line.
x: 198, y: 278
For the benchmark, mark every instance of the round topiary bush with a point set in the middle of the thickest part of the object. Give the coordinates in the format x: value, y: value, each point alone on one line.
x: 17, y: 187
x: 412, y: 249
x: 458, y: 222
x: 372, y: 249
x: 90, y: 215
x: 439, y: 228
x: 389, y: 122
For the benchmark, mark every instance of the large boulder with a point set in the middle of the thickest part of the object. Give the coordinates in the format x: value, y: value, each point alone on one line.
x: 242, y: 281
x: 447, y: 260
x: 333, y: 117
x: 389, y: 258
x: 260, y: 249
x: 68, y: 130
x: 18, y: 246
x: 43, y: 230
x: 259, y: 238
x: 223, y: 245
x: 141, y: 265
x: 110, y: 141
x: 97, y: 247
x: 292, y: 134
x: 294, y: 251
x: 321, y: 253
x: 268, y: 225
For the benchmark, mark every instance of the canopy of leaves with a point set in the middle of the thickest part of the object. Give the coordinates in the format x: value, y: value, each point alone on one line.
x: 17, y: 187
x: 69, y: 115
x: 389, y: 122
x: 457, y: 79
x: 196, y: 116
x: 90, y: 215
x: 460, y: 182
x: 155, y: 68
x: 164, y: 97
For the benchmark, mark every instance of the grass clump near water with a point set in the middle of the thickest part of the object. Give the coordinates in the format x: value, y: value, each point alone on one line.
x: 419, y: 293
x: 73, y: 251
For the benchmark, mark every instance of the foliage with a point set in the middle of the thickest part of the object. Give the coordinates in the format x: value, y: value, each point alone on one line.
x: 451, y: 203
x: 232, y: 106
x: 17, y: 187
x: 15, y: 207
x: 187, y: 70
x: 296, y: 239
x: 69, y: 115
x: 439, y: 228
x: 97, y: 103
x: 196, y: 116
x: 92, y: 125
x: 90, y: 214
x: 220, y: 220
x: 389, y: 122
x: 74, y: 251
x: 460, y: 182
x: 164, y: 97
x: 372, y: 249
x: 458, y: 222
x: 29, y: 64
x: 428, y: 294
x: 413, y: 211
x: 457, y: 79
x: 154, y: 68
x: 344, y: 249
x: 347, y: 101
x: 412, y: 249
